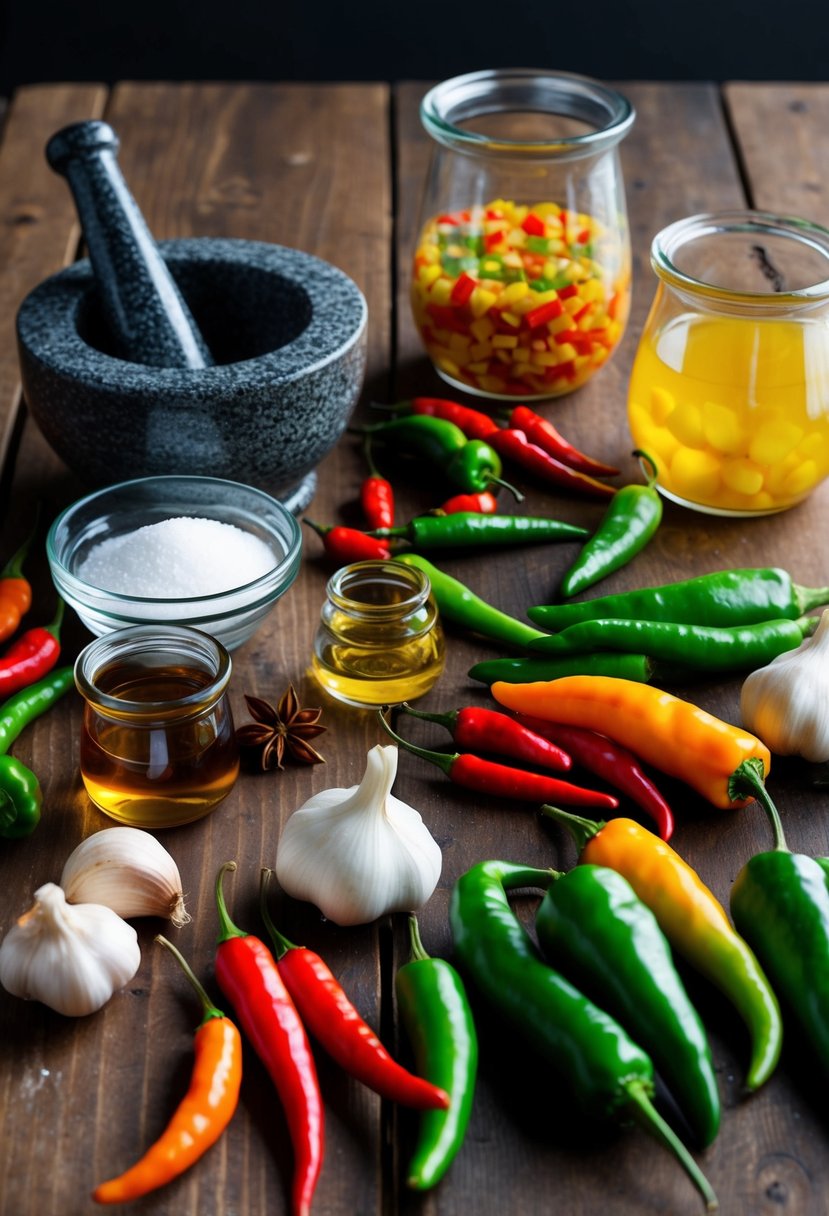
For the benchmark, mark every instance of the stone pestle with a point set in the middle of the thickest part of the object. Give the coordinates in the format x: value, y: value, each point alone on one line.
x: 146, y: 314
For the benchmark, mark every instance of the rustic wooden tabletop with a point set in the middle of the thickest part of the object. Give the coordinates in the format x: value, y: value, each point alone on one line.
x: 337, y: 170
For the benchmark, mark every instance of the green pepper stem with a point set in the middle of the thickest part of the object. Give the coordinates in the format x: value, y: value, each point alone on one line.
x: 582, y: 830
x: 280, y: 941
x: 443, y: 760
x: 210, y: 1010
x: 57, y: 620
x: 649, y: 1118
x: 227, y: 929
x: 418, y: 950
x: 808, y: 598
x: 506, y: 485
x: 641, y: 456
x: 747, y: 782
x: 448, y: 720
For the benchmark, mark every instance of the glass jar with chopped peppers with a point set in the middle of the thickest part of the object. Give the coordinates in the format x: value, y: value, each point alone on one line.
x: 521, y: 274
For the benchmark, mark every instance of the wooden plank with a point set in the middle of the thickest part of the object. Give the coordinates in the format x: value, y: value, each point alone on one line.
x: 678, y: 161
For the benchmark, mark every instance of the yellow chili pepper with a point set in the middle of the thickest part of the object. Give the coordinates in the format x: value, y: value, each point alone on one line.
x: 675, y: 736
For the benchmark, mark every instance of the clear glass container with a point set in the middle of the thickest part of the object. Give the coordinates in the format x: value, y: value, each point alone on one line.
x: 158, y: 747
x: 521, y: 274
x: 379, y: 640
x: 729, y: 392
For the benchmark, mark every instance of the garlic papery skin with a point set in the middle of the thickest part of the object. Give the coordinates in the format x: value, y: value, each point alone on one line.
x: 786, y: 703
x: 127, y: 870
x: 359, y: 853
x: 72, y: 957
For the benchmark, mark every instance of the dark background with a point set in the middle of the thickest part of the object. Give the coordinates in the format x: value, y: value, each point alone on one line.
x: 107, y: 40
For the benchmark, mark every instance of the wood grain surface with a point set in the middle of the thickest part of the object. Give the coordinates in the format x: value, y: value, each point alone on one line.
x: 338, y: 170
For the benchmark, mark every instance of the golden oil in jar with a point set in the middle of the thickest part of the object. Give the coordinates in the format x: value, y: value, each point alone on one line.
x: 158, y: 747
x: 379, y: 640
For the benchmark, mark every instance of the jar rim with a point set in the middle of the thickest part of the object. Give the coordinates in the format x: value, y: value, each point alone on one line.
x: 378, y: 571
x: 565, y: 93
x: 667, y: 243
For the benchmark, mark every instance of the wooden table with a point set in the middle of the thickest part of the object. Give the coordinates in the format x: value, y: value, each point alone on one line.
x: 337, y: 170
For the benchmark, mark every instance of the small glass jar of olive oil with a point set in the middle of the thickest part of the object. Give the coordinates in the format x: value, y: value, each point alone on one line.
x: 379, y: 640
x: 158, y: 747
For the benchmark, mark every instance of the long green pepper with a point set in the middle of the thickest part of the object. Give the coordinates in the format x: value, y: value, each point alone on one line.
x: 607, y: 1072
x: 469, y: 528
x: 436, y: 1015
x: 21, y: 797
x: 470, y: 464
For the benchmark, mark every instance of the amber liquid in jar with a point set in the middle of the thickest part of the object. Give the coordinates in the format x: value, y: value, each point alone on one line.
x: 157, y: 746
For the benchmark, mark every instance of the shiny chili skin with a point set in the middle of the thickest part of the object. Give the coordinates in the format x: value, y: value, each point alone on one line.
x: 675, y: 736
x: 31, y: 657
x: 514, y: 445
x: 484, y: 503
x: 377, y: 501
x: 706, y: 647
x: 21, y: 797
x: 247, y: 974
x: 348, y: 545
x: 694, y: 922
x: 332, y: 1019
x: 472, y: 465
x: 629, y: 522
x: 502, y: 781
x: 201, y: 1116
x: 475, y: 424
x: 438, y: 1021
x: 458, y: 604
x: 15, y: 590
x: 637, y: 667
x: 726, y: 597
x: 29, y: 703
x: 606, y: 1072
x: 470, y: 528
x: 544, y: 435
x: 478, y: 729
x: 593, y: 927
x: 613, y: 763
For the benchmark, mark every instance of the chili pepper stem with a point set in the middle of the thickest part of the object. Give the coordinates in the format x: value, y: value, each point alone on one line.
x: 418, y: 950
x: 443, y: 760
x: 499, y: 481
x: 747, y: 781
x: 227, y: 929
x: 210, y: 1010
x: 649, y: 1118
x: 447, y: 720
x: 280, y: 941
x: 580, y: 829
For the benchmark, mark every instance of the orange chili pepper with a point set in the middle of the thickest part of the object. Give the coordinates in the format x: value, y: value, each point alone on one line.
x: 675, y: 736
x: 202, y: 1115
x: 15, y: 590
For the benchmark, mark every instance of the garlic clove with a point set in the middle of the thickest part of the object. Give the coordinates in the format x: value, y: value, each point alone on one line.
x: 128, y: 870
x: 71, y: 957
x: 359, y: 853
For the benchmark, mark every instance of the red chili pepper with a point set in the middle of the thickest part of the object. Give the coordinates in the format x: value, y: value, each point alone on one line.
x: 349, y: 544
x: 377, y: 501
x: 514, y: 445
x: 33, y: 655
x: 475, y: 424
x: 247, y: 974
x: 482, y: 504
x: 544, y: 435
x: 488, y: 730
x: 332, y: 1019
x: 501, y: 781
x: 610, y: 761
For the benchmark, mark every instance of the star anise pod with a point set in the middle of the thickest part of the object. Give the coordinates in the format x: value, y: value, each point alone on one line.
x: 280, y: 731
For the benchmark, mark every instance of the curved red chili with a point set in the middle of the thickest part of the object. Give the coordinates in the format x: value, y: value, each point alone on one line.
x: 347, y: 545
x: 484, y: 503
x: 247, y: 974
x: 488, y: 730
x: 377, y: 501
x: 502, y: 781
x: 610, y: 761
x: 33, y: 655
x: 514, y: 445
x: 475, y: 424
x: 544, y: 435
x: 333, y: 1020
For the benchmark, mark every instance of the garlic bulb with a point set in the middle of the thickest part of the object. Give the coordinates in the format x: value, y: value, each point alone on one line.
x: 128, y: 870
x: 786, y: 703
x: 72, y: 957
x: 361, y: 852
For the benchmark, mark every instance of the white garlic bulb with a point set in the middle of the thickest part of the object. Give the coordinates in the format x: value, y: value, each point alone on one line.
x: 72, y: 957
x: 358, y: 853
x: 786, y: 703
x: 128, y: 870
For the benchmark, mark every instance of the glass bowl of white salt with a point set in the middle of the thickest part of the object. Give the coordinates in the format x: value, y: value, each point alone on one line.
x: 198, y: 551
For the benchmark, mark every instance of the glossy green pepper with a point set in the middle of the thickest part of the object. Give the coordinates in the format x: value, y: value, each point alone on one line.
x: 471, y: 528
x: 596, y: 930
x: 621, y: 665
x: 20, y: 799
x: 471, y: 465
x: 437, y: 1018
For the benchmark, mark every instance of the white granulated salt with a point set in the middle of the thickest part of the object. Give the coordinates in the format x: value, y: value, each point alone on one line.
x: 177, y: 558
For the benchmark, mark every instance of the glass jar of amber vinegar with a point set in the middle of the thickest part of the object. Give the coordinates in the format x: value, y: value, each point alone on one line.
x: 158, y: 747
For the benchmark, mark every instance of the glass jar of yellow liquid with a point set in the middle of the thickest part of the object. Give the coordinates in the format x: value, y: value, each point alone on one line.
x: 379, y: 640
x: 729, y: 391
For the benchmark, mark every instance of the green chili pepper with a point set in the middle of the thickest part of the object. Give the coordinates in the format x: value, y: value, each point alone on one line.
x: 712, y: 648
x: 632, y: 516
x: 727, y: 597
x: 435, y: 1013
x: 623, y: 666
x: 606, y: 1071
x: 780, y: 904
x: 20, y: 799
x: 593, y: 926
x: 470, y: 464
x: 22, y: 708
x: 467, y: 528
x: 456, y: 603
